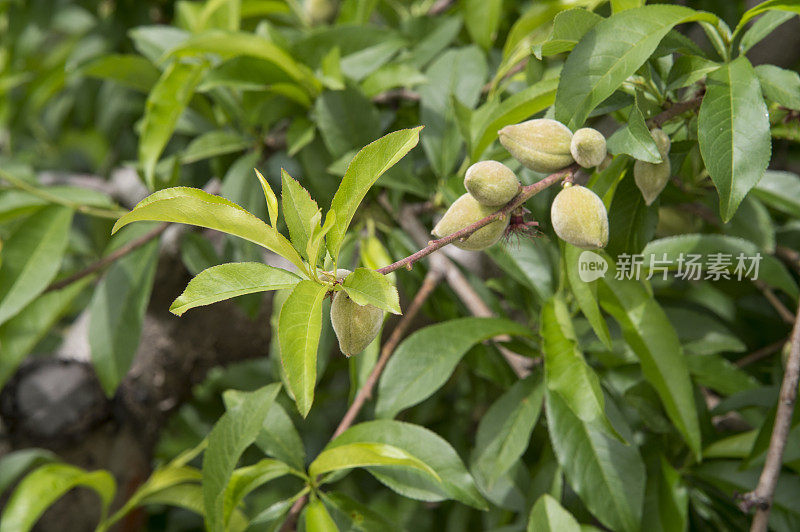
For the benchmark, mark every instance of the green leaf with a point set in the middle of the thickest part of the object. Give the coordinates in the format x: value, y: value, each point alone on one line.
x: 299, y: 210
x: 770, y: 269
x: 246, y: 479
x: 780, y: 85
x: 359, y: 516
x: 689, y: 69
x: 631, y: 222
x: 482, y: 19
x: 634, y: 139
x: 566, y: 371
x: 427, y: 358
x: 37, y: 491
x: 15, y: 463
x: 225, y: 281
x: 235, y: 44
x: 31, y: 258
x: 505, y: 429
x: 666, y: 499
x: 569, y: 27
x: 131, y: 71
x: 733, y: 133
x: 622, y: 5
x: 585, y: 294
x: 368, y: 287
x: 549, y: 516
x: 457, y: 74
x: 165, y: 103
x: 353, y: 455
x: 492, y: 117
x: 214, y: 143
x: 792, y: 6
x: 196, y: 207
x: 235, y: 431
x: 456, y: 483
x: 271, y: 199
x: 314, y: 244
x: 762, y: 28
x: 609, y: 53
x: 607, y: 475
x: 365, y: 168
x: 781, y: 191
x: 318, y: 519
x: 653, y: 339
x: 116, y: 313
x: 299, y: 327
x: 528, y: 263
x: 21, y: 333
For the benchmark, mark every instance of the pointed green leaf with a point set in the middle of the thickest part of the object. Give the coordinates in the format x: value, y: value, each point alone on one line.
x: 566, y: 372
x: 505, y: 430
x: 780, y: 85
x: 299, y: 327
x: 225, y: 281
x: 195, y: 207
x: 298, y: 211
x: 164, y: 106
x: 568, y: 28
x: 32, y: 257
x: 365, y: 168
x: 362, y: 454
x: 792, y: 6
x: 456, y: 483
x: 235, y: 431
x: 733, y: 133
x: 653, y: 339
x: 585, y: 294
x: 313, y: 246
x: 609, y: 53
x: 549, y: 516
x: 37, y: 491
x: 246, y: 479
x: 269, y: 196
x: 634, y: 139
x: 427, y: 358
x: 318, y: 519
x: 368, y: 287
x: 608, y: 476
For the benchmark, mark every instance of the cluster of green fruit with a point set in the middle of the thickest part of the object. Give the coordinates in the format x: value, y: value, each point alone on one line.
x: 543, y: 145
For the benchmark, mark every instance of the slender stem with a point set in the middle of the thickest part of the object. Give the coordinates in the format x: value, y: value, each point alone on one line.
x: 676, y: 109
x: 762, y: 496
x: 521, y: 198
x: 760, y: 354
x: 117, y: 254
x: 785, y: 314
x: 53, y: 198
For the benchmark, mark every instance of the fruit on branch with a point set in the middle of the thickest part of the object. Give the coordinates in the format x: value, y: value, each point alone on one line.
x: 320, y: 11
x: 651, y: 178
x: 491, y: 183
x: 543, y: 145
x: 467, y: 210
x: 355, y: 325
x: 579, y: 217
x: 588, y: 147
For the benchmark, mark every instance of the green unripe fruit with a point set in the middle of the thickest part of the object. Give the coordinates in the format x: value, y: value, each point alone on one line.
x: 465, y: 211
x: 579, y: 217
x: 588, y: 147
x: 651, y: 178
x: 491, y: 183
x: 541, y: 144
x: 355, y: 325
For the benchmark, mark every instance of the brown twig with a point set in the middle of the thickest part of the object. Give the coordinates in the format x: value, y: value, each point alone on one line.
x: 521, y: 198
x: 762, y: 496
x: 117, y: 254
x: 785, y: 314
x: 675, y: 110
x: 519, y: 364
x: 760, y: 354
